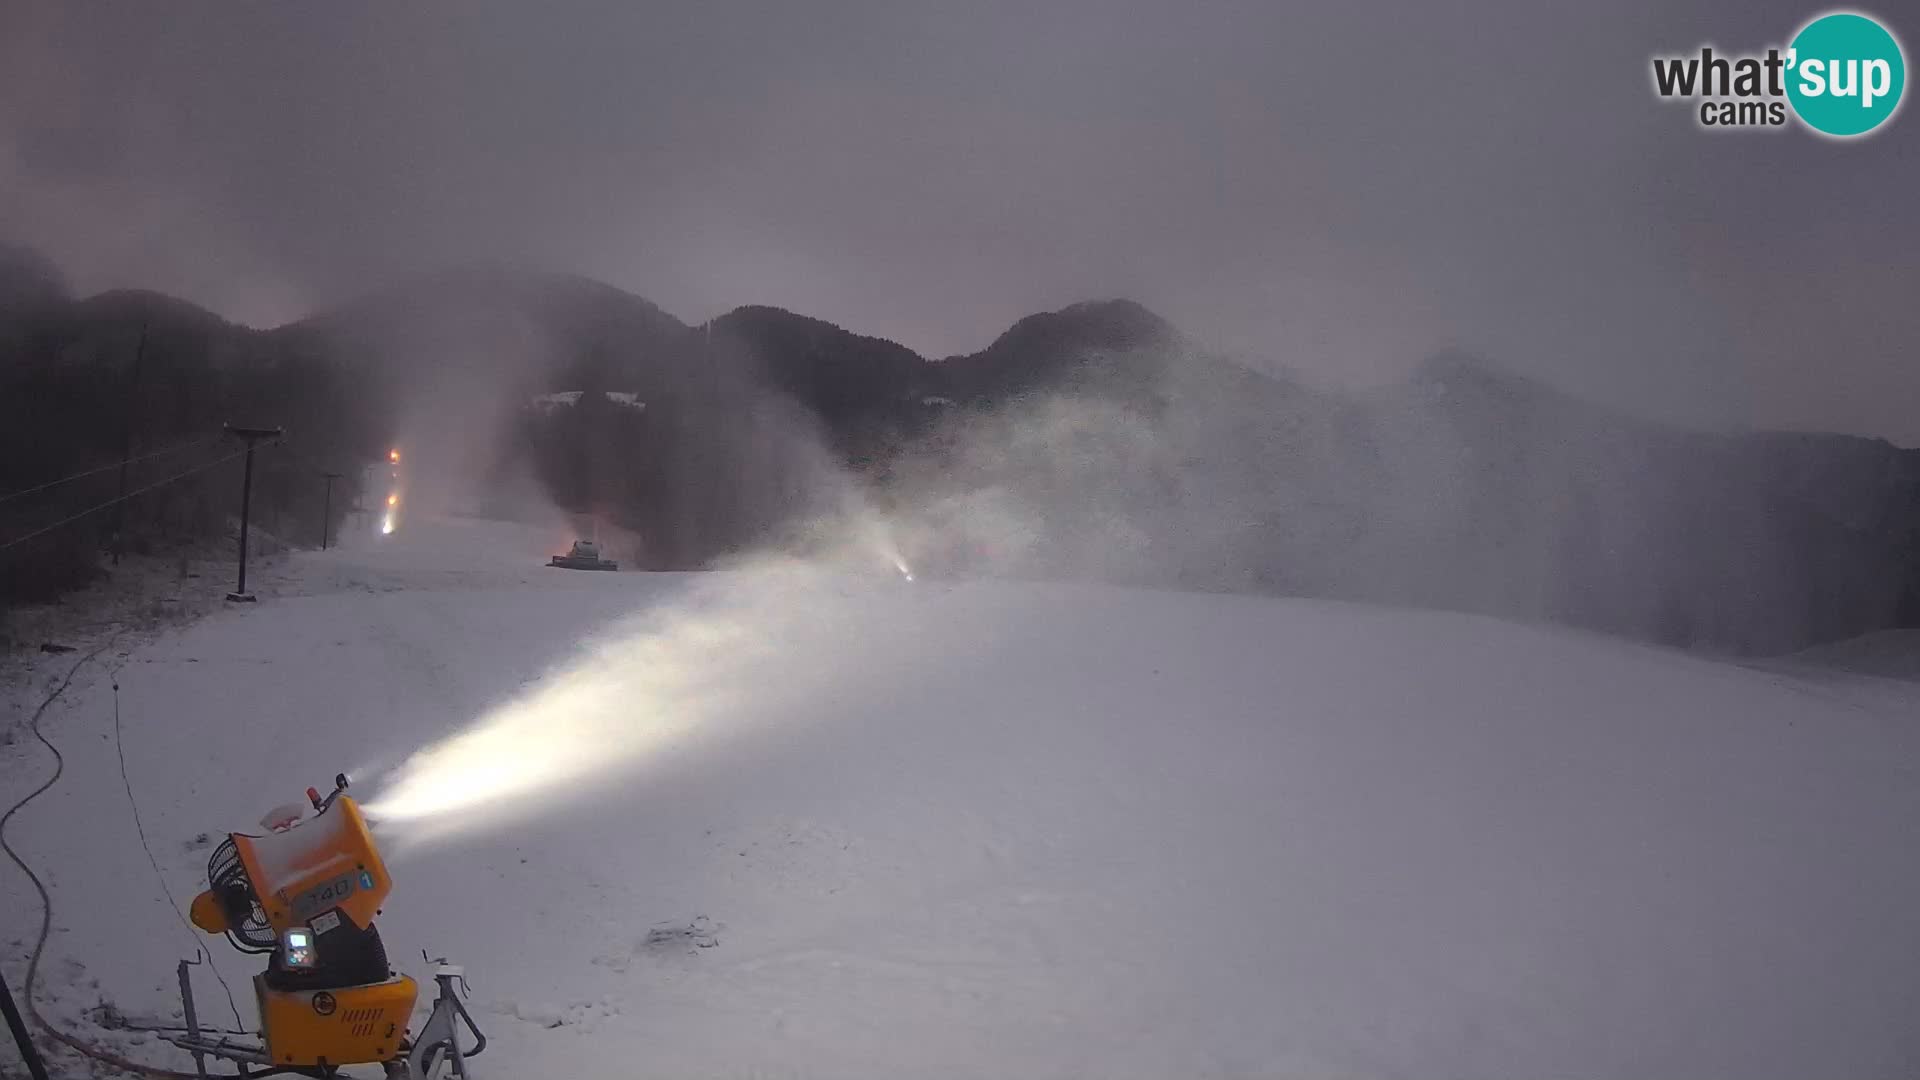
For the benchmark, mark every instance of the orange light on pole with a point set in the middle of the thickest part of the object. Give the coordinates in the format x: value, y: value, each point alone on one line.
x: 393, y: 456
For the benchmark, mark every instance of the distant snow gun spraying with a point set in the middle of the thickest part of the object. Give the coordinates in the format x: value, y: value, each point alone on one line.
x: 881, y: 538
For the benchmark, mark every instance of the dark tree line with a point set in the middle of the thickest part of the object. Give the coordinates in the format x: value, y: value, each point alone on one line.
x: 145, y: 378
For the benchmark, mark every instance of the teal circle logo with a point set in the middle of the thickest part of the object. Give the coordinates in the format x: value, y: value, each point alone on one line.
x: 1846, y: 74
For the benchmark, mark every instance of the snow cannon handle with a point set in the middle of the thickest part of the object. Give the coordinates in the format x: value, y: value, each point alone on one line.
x: 319, y: 804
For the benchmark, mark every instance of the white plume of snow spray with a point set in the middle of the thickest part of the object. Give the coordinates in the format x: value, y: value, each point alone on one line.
x: 751, y: 646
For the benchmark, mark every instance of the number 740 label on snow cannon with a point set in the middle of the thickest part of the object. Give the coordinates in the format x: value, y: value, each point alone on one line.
x: 328, y: 894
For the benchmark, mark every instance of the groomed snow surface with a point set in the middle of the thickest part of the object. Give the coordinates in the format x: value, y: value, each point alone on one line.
x: 780, y: 823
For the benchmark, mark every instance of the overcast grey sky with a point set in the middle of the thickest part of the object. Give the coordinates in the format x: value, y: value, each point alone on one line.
x: 1338, y: 188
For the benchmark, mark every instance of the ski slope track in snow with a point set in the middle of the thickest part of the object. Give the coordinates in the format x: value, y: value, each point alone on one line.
x: 779, y: 822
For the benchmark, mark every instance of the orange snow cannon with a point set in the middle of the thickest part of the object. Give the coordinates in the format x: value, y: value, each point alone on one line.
x: 305, y: 894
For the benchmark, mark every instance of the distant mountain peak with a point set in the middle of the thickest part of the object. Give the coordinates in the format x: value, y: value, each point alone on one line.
x: 1118, y: 311
x: 147, y: 306
x: 495, y: 289
x: 1090, y: 325
x: 765, y: 324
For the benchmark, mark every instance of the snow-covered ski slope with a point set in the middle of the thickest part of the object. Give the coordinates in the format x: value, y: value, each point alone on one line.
x: 781, y: 823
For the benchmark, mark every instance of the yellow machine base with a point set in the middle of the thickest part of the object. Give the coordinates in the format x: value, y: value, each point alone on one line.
x: 347, y: 1026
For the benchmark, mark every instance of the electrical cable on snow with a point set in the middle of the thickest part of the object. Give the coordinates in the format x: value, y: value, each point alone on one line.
x: 119, y: 748
x: 46, y: 901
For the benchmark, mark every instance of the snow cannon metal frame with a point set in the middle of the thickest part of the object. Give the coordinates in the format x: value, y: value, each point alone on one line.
x: 585, y: 555
x: 305, y: 894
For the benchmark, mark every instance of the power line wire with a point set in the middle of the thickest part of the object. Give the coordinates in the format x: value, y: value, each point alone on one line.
x: 177, y: 447
x: 110, y: 502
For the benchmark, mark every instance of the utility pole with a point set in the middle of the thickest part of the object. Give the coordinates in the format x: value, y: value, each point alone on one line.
x: 252, y: 436
x: 326, y: 514
x: 35, y: 1067
x: 126, y: 446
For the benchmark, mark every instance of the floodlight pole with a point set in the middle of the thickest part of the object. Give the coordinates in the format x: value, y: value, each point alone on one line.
x: 252, y: 436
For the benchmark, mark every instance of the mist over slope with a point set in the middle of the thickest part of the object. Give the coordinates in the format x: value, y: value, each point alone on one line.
x: 1094, y: 442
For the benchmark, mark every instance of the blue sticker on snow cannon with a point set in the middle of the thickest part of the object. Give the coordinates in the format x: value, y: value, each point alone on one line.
x: 366, y: 880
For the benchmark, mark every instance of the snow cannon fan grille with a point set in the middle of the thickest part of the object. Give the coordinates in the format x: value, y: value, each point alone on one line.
x: 228, y: 877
